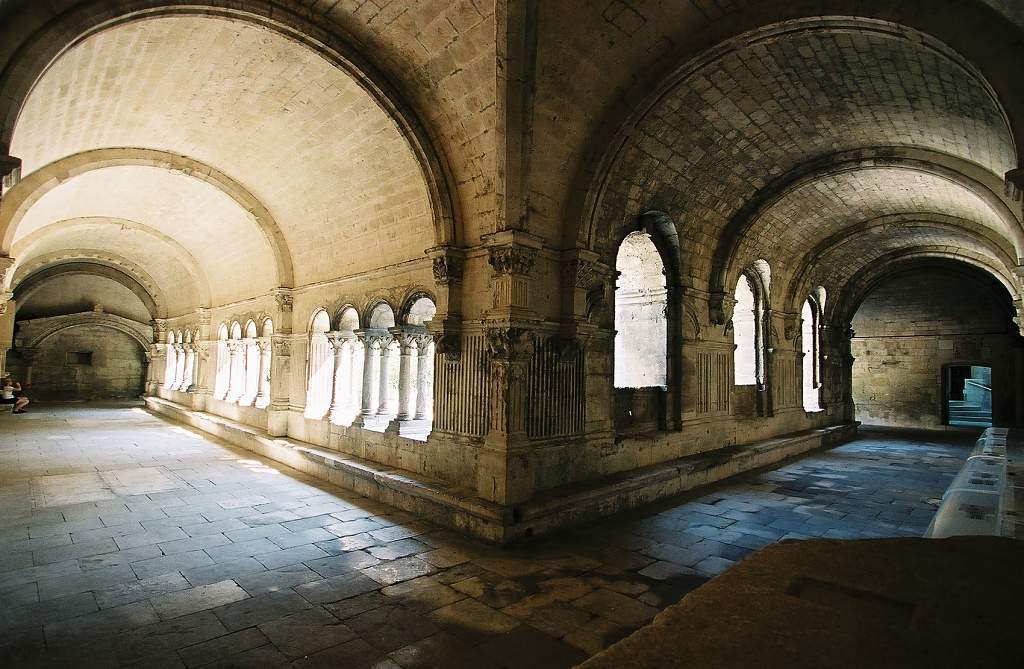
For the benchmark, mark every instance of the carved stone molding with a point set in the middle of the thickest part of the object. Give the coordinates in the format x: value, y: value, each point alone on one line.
x: 581, y: 273
x: 447, y: 264
x: 282, y: 347
x: 509, y: 343
x: 512, y: 260
x: 720, y: 308
x: 449, y: 345
x: 284, y: 298
x: 1014, y: 183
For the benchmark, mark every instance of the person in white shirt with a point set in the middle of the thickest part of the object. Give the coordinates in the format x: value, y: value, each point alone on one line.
x: 8, y: 388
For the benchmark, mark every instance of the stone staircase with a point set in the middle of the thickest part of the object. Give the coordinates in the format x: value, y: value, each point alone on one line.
x: 966, y: 414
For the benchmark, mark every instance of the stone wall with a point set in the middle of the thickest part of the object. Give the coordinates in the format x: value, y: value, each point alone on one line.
x: 116, y: 370
x: 913, y: 326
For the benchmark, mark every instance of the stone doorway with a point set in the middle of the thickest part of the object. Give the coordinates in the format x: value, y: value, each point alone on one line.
x: 967, y: 393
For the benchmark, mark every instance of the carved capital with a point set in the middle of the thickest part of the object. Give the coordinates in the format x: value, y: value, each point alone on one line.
x: 447, y: 264
x: 720, y: 308
x: 1013, y: 183
x: 515, y: 260
x: 449, y: 345
x: 159, y: 327
x: 264, y: 344
x: 282, y: 348
x: 6, y: 263
x: 567, y: 347
x: 791, y: 326
x: 581, y: 273
x: 407, y: 341
x: 284, y: 298
x: 509, y: 343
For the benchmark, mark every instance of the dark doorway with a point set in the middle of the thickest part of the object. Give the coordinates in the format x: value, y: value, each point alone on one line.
x: 968, y: 395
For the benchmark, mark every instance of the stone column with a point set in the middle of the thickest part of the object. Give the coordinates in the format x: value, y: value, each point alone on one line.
x: 280, y: 369
x: 406, y: 345
x: 196, y: 379
x: 179, y: 367
x: 424, y: 366
x: 504, y: 467
x: 371, y: 350
x: 337, y: 381
x: 384, y: 408
x: 351, y: 403
x: 236, y: 380
x: 263, y: 383
x: 190, y: 362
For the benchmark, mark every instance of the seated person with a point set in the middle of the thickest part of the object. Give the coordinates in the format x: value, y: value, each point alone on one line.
x: 8, y: 388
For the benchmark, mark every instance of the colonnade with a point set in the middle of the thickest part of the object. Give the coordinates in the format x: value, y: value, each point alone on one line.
x: 360, y: 373
x: 181, y: 367
x: 243, y: 371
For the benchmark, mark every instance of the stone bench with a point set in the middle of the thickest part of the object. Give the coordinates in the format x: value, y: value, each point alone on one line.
x: 982, y: 499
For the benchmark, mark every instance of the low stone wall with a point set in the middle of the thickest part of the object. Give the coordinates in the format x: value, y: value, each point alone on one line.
x: 458, y: 507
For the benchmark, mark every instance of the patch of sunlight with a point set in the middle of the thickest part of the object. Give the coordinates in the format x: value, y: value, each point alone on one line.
x: 183, y: 432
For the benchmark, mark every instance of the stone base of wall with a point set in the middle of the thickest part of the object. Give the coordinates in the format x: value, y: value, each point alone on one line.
x: 461, y: 510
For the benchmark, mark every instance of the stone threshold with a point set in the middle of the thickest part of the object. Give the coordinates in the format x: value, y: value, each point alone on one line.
x: 548, y: 512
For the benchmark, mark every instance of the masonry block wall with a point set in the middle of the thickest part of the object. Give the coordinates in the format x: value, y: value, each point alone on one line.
x: 87, y: 362
x: 912, y: 326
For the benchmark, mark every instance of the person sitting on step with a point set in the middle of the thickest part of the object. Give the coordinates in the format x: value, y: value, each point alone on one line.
x: 8, y: 388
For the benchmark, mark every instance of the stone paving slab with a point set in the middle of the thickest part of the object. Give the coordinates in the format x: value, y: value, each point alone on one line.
x: 248, y: 563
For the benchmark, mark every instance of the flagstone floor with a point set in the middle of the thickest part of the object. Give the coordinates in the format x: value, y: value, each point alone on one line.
x: 127, y: 540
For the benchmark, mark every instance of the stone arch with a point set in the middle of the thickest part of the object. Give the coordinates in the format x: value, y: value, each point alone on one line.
x: 620, y: 121
x: 23, y: 247
x: 347, y: 318
x: 33, y: 282
x: 138, y: 332
x: 956, y: 171
x: 319, y: 321
x: 379, y: 314
x: 96, y: 259
x: 413, y: 305
x: 996, y: 245
x: 67, y: 29
x: 842, y: 308
x: 29, y: 190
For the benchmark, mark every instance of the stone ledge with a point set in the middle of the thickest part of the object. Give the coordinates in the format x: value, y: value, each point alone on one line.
x: 402, y: 489
x: 551, y: 510
x: 580, y: 502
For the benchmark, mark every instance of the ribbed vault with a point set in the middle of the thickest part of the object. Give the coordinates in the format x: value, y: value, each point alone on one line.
x: 728, y: 126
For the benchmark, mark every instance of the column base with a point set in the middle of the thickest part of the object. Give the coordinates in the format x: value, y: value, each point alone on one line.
x: 504, y: 472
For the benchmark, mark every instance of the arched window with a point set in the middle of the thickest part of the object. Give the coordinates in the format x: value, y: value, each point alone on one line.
x: 748, y: 324
x: 385, y: 395
x: 171, y: 363
x: 641, y: 303
x: 349, y: 374
x: 220, y: 385
x: 810, y: 345
x: 321, y: 366
x: 251, y: 348
x: 416, y: 373
x: 745, y: 333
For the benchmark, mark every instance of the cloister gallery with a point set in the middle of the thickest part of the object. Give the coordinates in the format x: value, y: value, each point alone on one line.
x: 514, y: 266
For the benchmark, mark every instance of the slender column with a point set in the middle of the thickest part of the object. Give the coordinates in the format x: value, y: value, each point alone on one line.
x: 263, y: 393
x: 179, y: 367
x: 190, y: 359
x: 236, y: 381
x: 384, y: 409
x: 406, y: 346
x: 195, y: 381
x: 371, y: 350
x: 337, y: 386
x: 351, y: 403
x: 424, y: 367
